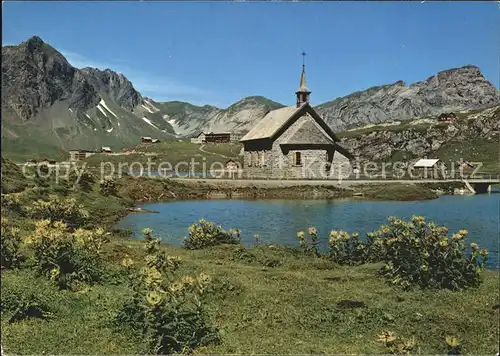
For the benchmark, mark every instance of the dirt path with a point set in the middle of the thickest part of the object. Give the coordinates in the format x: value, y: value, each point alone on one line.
x: 212, y: 153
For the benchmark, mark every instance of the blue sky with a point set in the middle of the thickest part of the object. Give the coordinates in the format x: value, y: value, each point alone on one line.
x: 219, y: 52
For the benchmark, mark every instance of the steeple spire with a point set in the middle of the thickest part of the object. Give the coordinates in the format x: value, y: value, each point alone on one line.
x: 303, y: 92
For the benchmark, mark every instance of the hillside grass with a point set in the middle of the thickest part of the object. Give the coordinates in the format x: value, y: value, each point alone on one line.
x: 473, y: 150
x: 266, y: 299
x: 174, y: 152
x: 301, y: 306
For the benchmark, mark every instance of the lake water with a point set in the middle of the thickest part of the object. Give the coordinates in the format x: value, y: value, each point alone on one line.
x: 278, y: 221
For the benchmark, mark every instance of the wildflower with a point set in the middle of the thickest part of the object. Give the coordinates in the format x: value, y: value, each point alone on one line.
x: 443, y: 243
x: 424, y: 268
x: 484, y: 252
x: 55, y: 273
x: 187, y: 280
x: 417, y: 219
x: 463, y: 232
x: 386, y: 337
x: 127, y: 262
x: 176, y: 287
x: 474, y: 246
x: 173, y: 261
x: 452, y: 341
x: 457, y: 236
x: 355, y: 235
x: 300, y: 235
x: 154, y: 298
x: 153, y: 276
x: 312, y: 231
x: 204, y: 278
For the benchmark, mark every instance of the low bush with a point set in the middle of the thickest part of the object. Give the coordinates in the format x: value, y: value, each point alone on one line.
x: 11, y: 203
x: 68, y: 258
x: 66, y: 210
x: 165, y: 310
x: 309, y: 244
x: 397, y: 345
x: 85, y: 181
x: 346, y: 249
x: 10, y: 245
x: 108, y: 187
x: 419, y: 253
x: 207, y: 234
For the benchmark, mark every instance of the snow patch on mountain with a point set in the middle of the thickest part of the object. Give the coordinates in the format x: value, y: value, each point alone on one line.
x: 102, y: 110
x: 149, y: 122
x: 148, y: 109
x: 103, y: 103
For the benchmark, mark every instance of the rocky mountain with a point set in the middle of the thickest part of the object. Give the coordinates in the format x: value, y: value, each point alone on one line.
x: 188, y: 119
x: 472, y: 135
x: 46, y: 99
x: 455, y: 89
x: 50, y: 106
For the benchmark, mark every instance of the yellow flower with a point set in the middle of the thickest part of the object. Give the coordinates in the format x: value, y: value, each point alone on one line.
x: 127, y: 262
x: 443, y: 242
x: 176, y: 287
x: 204, y: 278
x: 386, y: 337
x: 300, y: 235
x: 154, y: 298
x: 452, y: 341
x: 153, y: 276
x: 355, y: 235
x: 463, y: 232
x: 484, y: 252
x: 474, y: 246
x: 188, y: 281
x: 312, y: 231
x: 457, y: 236
x: 55, y: 273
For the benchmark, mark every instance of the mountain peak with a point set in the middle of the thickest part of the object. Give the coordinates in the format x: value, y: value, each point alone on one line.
x: 33, y: 43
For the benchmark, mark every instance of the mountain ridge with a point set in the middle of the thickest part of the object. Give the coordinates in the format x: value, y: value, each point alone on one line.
x: 45, y: 98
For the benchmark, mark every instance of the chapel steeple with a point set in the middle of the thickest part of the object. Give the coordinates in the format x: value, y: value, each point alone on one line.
x: 303, y: 92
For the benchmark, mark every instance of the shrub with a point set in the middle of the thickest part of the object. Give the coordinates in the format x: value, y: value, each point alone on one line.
x: 165, y: 310
x: 11, y: 203
x: 398, y: 346
x: 421, y: 254
x: 65, y: 257
x: 56, y: 209
x: 207, y: 234
x: 453, y: 345
x: 10, y: 244
x: 85, y: 181
x: 108, y: 187
x: 309, y: 245
x: 346, y: 249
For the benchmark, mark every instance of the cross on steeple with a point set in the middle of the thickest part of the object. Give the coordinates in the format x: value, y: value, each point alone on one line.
x: 303, y: 92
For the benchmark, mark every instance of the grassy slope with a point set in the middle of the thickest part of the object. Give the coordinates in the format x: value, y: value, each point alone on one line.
x: 475, y: 149
x: 291, y: 308
x: 174, y: 151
